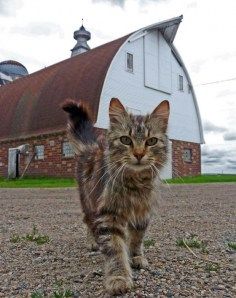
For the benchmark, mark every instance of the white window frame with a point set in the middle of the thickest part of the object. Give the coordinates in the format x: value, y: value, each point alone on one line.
x: 67, y: 152
x: 39, y: 152
x: 187, y: 155
x: 126, y: 62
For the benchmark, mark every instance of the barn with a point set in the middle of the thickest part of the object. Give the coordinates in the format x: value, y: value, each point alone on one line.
x: 141, y: 69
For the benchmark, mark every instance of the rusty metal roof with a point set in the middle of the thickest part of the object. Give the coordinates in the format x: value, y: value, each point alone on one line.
x: 31, y: 105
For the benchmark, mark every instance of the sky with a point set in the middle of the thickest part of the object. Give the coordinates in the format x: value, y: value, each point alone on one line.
x: 39, y: 33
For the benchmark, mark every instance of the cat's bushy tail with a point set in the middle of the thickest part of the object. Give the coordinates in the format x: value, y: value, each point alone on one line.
x: 80, y: 126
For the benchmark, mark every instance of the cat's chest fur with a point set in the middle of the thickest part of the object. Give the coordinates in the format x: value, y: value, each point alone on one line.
x: 132, y: 196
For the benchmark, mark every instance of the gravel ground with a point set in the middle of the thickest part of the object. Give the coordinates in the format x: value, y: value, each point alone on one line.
x: 65, y: 264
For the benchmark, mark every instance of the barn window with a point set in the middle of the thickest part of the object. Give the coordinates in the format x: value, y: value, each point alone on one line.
x: 67, y: 150
x: 187, y: 155
x: 181, y: 83
x: 189, y: 88
x: 129, y: 62
x: 39, y: 152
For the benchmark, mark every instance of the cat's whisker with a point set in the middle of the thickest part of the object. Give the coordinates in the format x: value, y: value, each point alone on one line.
x: 151, y: 171
x: 122, y: 176
x: 118, y: 172
x: 106, y: 172
x: 168, y: 185
x: 111, y: 176
x: 109, y: 166
x: 89, y: 178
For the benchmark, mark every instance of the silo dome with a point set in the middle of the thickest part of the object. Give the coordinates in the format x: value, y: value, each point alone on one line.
x: 13, y: 69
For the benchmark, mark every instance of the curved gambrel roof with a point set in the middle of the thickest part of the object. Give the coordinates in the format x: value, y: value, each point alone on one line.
x: 31, y: 105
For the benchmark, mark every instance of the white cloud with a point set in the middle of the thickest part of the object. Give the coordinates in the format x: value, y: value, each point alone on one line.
x: 9, y: 7
x: 38, y: 29
x: 230, y: 136
x: 210, y: 127
x: 40, y: 33
x: 120, y: 3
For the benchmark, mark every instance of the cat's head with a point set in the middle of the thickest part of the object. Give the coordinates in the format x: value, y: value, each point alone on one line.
x: 136, y: 140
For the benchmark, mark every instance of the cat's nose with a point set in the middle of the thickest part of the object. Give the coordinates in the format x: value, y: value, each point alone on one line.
x: 139, y: 156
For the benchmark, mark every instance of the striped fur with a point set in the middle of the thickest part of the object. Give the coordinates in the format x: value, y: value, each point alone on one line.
x: 118, y: 183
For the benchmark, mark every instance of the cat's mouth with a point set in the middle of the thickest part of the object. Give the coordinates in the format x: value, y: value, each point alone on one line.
x: 138, y: 165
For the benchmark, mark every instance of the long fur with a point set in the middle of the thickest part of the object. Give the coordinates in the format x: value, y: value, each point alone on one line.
x: 80, y: 125
x: 117, y: 193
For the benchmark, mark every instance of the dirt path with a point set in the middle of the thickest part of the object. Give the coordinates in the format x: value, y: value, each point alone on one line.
x: 209, y: 211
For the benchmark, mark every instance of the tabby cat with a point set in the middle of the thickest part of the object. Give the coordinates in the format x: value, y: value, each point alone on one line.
x: 118, y: 182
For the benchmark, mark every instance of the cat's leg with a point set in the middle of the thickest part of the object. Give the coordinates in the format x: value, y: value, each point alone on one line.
x: 91, y: 240
x: 111, y: 238
x: 136, y: 235
x: 92, y: 245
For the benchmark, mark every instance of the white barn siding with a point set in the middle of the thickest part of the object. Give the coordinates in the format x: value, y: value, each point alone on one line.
x: 158, y: 69
x: 165, y: 65
x: 184, y: 124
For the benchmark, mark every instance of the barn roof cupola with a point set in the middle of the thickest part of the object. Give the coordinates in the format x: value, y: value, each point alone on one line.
x: 81, y: 36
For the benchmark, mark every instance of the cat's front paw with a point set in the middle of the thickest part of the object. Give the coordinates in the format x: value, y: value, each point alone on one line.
x: 116, y: 285
x: 139, y: 262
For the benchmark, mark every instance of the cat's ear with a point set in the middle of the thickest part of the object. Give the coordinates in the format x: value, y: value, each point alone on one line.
x: 161, y: 112
x: 116, y: 110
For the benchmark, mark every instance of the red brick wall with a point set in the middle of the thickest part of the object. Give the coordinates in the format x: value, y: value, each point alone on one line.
x: 53, y: 164
x: 185, y: 168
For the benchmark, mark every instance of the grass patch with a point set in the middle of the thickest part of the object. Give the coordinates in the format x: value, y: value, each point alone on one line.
x: 63, y: 293
x: 50, y: 182
x: 203, y: 179
x: 41, y: 182
x: 148, y: 242
x: 212, y: 267
x: 60, y: 291
x: 232, y: 245
x: 37, y: 294
x: 34, y: 236
x: 15, y: 239
x: 192, y: 241
x: 56, y: 294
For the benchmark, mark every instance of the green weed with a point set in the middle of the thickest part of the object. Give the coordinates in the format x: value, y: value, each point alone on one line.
x: 212, y: 267
x: 37, y: 294
x: 34, y: 236
x: 148, y: 242
x: 15, y: 239
x: 63, y: 293
x: 232, y: 245
x: 192, y: 241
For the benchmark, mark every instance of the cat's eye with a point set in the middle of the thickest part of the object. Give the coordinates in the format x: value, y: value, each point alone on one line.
x: 152, y: 141
x: 125, y: 140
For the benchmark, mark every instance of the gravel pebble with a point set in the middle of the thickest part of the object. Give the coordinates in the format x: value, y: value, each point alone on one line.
x: 66, y: 264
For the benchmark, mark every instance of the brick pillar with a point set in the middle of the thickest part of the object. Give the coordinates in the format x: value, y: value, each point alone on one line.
x: 182, y: 165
